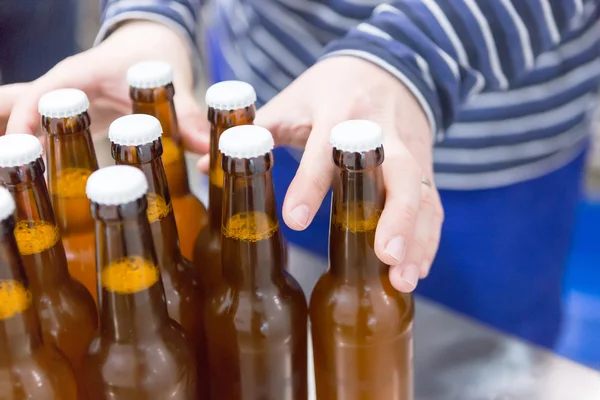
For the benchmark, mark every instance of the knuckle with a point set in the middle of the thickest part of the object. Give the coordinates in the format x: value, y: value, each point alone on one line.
x: 407, y: 213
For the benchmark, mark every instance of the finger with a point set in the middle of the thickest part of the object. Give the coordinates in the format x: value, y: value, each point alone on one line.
x: 404, y: 277
x: 290, y: 125
x: 312, y: 180
x: 203, y: 164
x: 396, y: 227
x: 418, y: 246
x: 24, y: 117
x: 434, y: 238
x: 193, y: 124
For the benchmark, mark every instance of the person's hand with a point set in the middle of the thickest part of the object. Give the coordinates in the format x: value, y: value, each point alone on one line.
x: 342, y: 88
x: 9, y: 94
x: 101, y: 73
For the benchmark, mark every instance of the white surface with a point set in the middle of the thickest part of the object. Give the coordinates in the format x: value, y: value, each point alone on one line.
x: 356, y: 135
x: 134, y: 130
x: 7, y: 204
x: 246, y: 141
x: 117, y: 184
x: 63, y: 103
x: 230, y: 95
x: 149, y: 74
x: 19, y: 149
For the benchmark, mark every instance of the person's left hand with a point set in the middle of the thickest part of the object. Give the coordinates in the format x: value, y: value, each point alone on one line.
x: 343, y: 88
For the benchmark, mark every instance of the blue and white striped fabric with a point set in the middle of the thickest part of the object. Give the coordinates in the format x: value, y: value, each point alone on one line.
x: 507, y: 84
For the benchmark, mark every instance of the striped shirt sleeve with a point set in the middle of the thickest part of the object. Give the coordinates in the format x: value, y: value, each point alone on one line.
x: 180, y: 15
x: 448, y: 50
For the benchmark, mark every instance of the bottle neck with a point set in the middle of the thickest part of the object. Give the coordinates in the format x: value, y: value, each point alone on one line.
x: 37, y: 234
x: 160, y: 213
x: 251, y: 242
x: 71, y: 159
x: 220, y: 121
x: 19, y: 326
x: 158, y: 102
x: 131, y: 296
x: 357, y: 202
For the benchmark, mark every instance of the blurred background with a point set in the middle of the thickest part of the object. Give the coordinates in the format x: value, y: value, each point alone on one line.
x: 35, y: 35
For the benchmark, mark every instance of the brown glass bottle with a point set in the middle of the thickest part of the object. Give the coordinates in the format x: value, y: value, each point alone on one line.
x: 256, y: 318
x: 185, y: 299
x: 141, y: 353
x: 361, y: 326
x: 71, y: 159
x: 152, y: 91
x: 222, y: 115
x: 29, y: 368
x: 66, y: 310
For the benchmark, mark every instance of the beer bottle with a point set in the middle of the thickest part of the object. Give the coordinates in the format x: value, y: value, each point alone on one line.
x: 136, y: 141
x: 151, y: 90
x: 71, y: 159
x: 256, y: 318
x: 29, y: 368
x: 66, y: 310
x: 230, y: 103
x: 361, y: 326
x: 141, y: 353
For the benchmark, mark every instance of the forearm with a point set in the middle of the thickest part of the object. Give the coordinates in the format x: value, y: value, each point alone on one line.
x: 448, y: 50
x: 166, y: 27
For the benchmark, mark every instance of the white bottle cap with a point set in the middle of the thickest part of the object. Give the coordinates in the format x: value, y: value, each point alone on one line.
x: 134, y: 130
x: 115, y: 185
x: 246, y: 141
x: 7, y: 204
x: 63, y: 103
x: 357, y: 135
x: 18, y: 149
x: 149, y: 75
x: 230, y: 95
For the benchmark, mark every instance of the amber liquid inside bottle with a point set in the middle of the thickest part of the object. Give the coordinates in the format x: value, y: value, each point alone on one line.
x: 71, y: 160
x: 361, y: 326
x: 207, y: 248
x: 185, y: 299
x: 29, y: 368
x: 190, y: 214
x: 141, y: 353
x: 66, y: 310
x: 256, y: 318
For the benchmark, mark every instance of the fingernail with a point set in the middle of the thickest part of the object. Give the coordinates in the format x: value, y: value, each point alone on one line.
x: 425, y: 268
x: 395, y: 248
x: 300, y: 215
x: 410, y: 274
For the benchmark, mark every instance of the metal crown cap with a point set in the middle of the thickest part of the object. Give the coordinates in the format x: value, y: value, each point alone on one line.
x: 149, y: 74
x: 134, y: 130
x: 356, y: 135
x: 18, y: 149
x: 63, y: 103
x: 246, y: 141
x: 230, y: 95
x: 7, y: 204
x: 116, y: 185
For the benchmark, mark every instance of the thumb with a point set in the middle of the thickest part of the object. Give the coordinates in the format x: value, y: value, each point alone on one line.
x: 193, y: 124
x: 8, y: 96
x: 290, y: 123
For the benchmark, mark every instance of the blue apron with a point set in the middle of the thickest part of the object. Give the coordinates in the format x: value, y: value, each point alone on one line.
x: 503, y: 251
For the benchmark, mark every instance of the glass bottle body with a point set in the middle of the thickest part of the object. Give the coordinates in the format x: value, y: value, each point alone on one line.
x: 66, y: 310
x: 71, y: 159
x: 183, y: 292
x: 207, y: 247
x: 256, y: 318
x: 361, y: 326
x: 190, y: 213
x: 140, y: 353
x: 29, y: 368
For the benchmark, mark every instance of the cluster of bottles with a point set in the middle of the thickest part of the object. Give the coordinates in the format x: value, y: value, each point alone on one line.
x: 98, y: 298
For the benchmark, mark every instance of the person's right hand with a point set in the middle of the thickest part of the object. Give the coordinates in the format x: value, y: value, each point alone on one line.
x: 101, y: 73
